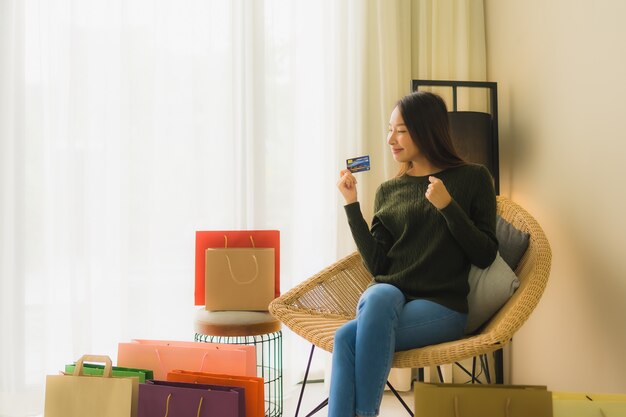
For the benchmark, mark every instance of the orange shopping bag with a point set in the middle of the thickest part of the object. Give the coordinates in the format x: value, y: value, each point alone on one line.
x: 162, y: 356
x: 236, y: 239
x: 253, y: 386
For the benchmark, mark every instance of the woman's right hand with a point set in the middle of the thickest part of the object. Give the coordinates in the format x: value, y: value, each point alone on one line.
x: 347, y: 186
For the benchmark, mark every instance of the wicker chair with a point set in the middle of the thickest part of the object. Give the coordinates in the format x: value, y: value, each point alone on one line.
x: 316, y: 308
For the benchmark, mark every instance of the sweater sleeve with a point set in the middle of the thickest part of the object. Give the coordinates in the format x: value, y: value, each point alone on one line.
x: 373, y: 245
x: 475, y: 231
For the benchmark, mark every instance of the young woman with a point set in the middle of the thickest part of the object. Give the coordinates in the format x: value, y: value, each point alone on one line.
x: 431, y: 221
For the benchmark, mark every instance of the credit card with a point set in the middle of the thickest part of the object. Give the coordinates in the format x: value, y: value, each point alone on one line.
x: 361, y: 163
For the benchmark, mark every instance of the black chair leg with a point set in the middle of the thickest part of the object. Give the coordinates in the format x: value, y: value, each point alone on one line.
x: 406, y: 407
x: 318, y: 408
x: 498, y: 357
x: 472, y: 374
x: 325, y: 402
x: 306, y: 377
x: 484, y: 363
x: 440, y: 374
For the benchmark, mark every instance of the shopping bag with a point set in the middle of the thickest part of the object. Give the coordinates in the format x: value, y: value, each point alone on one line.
x: 160, y: 398
x: 161, y: 356
x: 118, y: 371
x: 239, y: 278
x: 253, y: 386
x: 476, y: 400
x: 582, y: 404
x: 236, y: 239
x: 80, y: 395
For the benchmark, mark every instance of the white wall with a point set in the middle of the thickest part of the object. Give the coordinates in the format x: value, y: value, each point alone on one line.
x: 561, y: 72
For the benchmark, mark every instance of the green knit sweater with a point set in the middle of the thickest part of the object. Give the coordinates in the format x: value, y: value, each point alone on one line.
x: 423, y: 251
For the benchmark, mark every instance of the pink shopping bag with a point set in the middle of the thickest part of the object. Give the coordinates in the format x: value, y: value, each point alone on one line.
x: 162, y: 356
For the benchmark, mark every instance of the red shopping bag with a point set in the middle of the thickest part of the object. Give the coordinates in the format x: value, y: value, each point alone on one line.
x: 235, y: 239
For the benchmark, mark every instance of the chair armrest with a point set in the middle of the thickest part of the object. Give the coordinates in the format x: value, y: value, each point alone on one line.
x: 332, y: 291
x: 317, y: 307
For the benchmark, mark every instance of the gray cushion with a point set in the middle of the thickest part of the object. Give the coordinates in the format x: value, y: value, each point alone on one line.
x: 513, y: 242
x: 490, y: 288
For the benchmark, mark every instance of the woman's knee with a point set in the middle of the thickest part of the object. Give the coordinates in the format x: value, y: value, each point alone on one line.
x: 345, y: 336
x: 382, y: 296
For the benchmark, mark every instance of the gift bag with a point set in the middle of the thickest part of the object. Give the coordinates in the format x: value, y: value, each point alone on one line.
x: 236, y: 239
x: 161, y: 356
x: 78, y: 395
x: 475, y: 400
x: 253, y: 386
x: 160, y: 398
x: 239, y: 278
x: 118, y: 371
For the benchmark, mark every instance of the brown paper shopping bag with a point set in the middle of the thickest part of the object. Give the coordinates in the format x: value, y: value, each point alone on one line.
x: 239, y: 278
x: 476, y: 400
x: 79, y: 395
x: 236, y: 239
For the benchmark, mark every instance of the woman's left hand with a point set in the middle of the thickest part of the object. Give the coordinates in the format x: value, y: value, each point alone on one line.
x: 437, y: 193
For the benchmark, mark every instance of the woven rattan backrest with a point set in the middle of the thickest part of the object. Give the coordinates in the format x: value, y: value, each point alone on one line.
x: 533, y: 270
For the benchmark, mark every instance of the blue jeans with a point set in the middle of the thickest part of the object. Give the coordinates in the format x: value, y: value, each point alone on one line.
x: 364, y: 347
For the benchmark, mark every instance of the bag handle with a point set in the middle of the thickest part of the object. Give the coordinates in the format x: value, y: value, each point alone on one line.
x: 167, y: 405
x: 230, y: 267
x: 158, y: 355
x: 226, y: 241
x: 200, y: 406
x: 507, y: 405
x: 108, y: 365
x: 238, y: 281
x: 162, y: 366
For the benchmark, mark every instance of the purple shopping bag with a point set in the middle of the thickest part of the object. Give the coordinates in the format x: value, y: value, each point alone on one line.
x: 160, y: 398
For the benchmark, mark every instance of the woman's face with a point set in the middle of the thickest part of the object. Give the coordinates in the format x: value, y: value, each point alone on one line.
x: 402, y: 146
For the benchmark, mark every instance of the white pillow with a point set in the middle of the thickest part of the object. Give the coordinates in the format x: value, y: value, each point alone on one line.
x: 490, y: 288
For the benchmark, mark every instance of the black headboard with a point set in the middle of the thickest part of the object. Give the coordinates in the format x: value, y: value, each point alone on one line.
x: 475, y: 134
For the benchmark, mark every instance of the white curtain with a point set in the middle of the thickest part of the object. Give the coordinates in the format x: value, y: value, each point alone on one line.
x: 127, y: 125
x: 449, y: 44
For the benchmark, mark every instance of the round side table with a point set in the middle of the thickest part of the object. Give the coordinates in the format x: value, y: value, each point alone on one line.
x: 255, y: 328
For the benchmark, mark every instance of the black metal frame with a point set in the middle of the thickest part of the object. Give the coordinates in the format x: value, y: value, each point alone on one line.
x: 269, y: 363
x: 484, y: 366
x: 493, y: 102
x: 324, y: 403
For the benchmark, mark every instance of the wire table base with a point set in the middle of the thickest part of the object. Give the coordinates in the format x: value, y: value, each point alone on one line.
x: 269, y: 354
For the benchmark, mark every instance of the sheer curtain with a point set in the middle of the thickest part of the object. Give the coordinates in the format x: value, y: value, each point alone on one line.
x: 126, y: 125
x: 449, y: 44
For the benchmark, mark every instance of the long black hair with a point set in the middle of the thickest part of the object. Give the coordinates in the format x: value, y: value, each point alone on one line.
x: 426, y: 118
